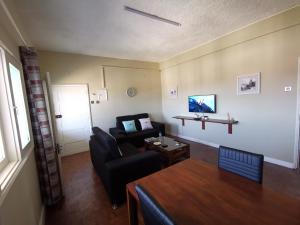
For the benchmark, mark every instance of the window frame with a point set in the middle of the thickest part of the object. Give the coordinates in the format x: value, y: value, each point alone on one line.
x: 9, y: 59
x: 4, y: 161
x: 13, y: 101
x: 15, y: 155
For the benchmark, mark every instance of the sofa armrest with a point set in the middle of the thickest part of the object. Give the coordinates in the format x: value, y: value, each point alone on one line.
x: 117, y: 133
x: 159, y: 126
x: 121, y: 171
x: 133, y: 166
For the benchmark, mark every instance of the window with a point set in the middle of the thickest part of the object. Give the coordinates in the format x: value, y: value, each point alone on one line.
x: 3, y: 159
x: 19, y: 105
x: 15, y: 133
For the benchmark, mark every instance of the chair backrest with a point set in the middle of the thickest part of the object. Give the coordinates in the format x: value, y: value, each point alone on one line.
x: 152, y: 212
x: 246, y: 164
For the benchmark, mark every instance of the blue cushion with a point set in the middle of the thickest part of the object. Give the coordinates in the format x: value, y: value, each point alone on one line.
x: 153, y: 213
x: 246, y: 164
x: 129, y: 126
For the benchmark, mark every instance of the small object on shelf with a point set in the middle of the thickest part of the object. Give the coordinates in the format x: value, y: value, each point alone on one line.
x: 164, y: 145
x: 177, y: 143
x: 157, y: 143
x: 228, y: 117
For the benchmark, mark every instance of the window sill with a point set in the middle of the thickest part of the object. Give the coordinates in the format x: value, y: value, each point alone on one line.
x: 10, y: 173
x: 6, y: 173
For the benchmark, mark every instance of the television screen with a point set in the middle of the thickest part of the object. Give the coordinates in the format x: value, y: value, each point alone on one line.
x: 202, y: 103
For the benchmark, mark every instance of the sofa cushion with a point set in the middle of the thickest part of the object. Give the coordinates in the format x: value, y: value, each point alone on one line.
x: 129, y: 126
x: 149, y: 133
x: 109, y: 143
x: 128, y: 149
x: 120, y: 119
x: 145, y: 123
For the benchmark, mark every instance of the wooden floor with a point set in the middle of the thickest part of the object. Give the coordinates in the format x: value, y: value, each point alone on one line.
x: 86, y: 202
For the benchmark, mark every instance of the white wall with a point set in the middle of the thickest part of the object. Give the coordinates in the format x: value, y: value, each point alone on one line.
x: 119, y: 75
x: 266, y: 121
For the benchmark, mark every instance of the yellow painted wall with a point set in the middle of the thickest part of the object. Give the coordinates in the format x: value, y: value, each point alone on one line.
x: 266, y: 121
x: 119, y: 75
x: 21, y: 203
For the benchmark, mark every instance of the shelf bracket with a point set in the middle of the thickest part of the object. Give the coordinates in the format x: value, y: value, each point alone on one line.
x: 230, y: 128
x: 182, y: 122
x: 203, y: 125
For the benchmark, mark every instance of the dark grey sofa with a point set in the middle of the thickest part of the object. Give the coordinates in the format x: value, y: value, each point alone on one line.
x: 135, y: 138
x: 118, y: 165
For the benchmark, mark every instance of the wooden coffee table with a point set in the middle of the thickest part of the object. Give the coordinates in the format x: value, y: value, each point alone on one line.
x: 175, y: 151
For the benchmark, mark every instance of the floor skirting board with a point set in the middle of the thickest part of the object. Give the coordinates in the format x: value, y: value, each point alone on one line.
x: 280, y: 162
x: 266, y: 159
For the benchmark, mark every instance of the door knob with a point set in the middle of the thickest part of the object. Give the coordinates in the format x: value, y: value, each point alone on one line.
x: 58, y: 116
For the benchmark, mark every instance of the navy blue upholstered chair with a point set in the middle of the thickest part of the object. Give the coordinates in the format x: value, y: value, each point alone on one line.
x: 152, y: 212
x: 246, y: 164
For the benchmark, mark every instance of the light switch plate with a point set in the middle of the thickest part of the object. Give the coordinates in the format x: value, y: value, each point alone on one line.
x: 287, y: 88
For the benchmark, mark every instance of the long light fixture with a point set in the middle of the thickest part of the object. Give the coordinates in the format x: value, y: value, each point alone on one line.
x: 149, y: 15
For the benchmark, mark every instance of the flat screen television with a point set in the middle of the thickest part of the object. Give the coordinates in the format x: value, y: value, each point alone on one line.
x: 202, y: 103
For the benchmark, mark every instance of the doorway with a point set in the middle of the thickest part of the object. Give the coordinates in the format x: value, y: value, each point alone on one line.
x: 72, y: 117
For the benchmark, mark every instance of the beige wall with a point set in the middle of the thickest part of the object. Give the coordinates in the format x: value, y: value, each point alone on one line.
x: 21, y: 203
x: 119, y: 75
x: 266, y: 121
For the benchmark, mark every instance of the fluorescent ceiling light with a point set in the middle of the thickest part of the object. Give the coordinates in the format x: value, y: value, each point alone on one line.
x: 152, y: 16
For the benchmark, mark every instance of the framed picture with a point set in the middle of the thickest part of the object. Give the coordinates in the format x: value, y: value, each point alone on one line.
x: 248, y: 84
x: 173, y: 93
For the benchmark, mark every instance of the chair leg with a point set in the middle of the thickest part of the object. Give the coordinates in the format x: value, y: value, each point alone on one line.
x: 114, y: 206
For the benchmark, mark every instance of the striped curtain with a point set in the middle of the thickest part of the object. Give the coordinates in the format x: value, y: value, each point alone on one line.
x: 46, y: 156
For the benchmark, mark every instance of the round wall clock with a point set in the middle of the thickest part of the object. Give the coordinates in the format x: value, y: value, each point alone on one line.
x: 131, y: 92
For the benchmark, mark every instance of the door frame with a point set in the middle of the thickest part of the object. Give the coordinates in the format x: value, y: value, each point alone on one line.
x: 90, y: 111
x: 297, y: 127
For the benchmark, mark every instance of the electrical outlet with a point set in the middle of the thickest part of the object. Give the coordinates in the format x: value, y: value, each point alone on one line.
x: 287, y: 88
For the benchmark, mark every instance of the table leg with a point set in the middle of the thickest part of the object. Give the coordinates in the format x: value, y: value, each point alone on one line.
x: 132, y: 209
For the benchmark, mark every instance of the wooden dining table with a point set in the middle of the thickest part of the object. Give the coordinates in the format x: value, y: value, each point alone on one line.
x: 195, y: 192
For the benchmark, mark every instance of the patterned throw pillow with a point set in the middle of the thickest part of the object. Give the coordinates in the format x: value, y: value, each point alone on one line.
x: 145, y: 123
x: 129, y: 126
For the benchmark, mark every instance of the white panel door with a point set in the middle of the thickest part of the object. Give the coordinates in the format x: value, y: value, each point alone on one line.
x: 72, y: 117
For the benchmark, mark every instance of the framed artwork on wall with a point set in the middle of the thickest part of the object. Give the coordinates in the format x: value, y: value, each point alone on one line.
x: 172, y: 93
x: 248, y: 84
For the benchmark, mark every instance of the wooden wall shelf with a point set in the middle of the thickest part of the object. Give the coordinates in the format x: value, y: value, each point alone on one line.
x: 228, y: 122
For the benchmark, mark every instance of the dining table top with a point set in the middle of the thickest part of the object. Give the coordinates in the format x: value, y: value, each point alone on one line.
x: 195, y: 192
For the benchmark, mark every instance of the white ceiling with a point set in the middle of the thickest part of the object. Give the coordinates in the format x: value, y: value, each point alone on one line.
x: 103, y: 28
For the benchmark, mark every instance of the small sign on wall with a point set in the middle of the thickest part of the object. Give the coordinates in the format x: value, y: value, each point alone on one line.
x: 102, y: 95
